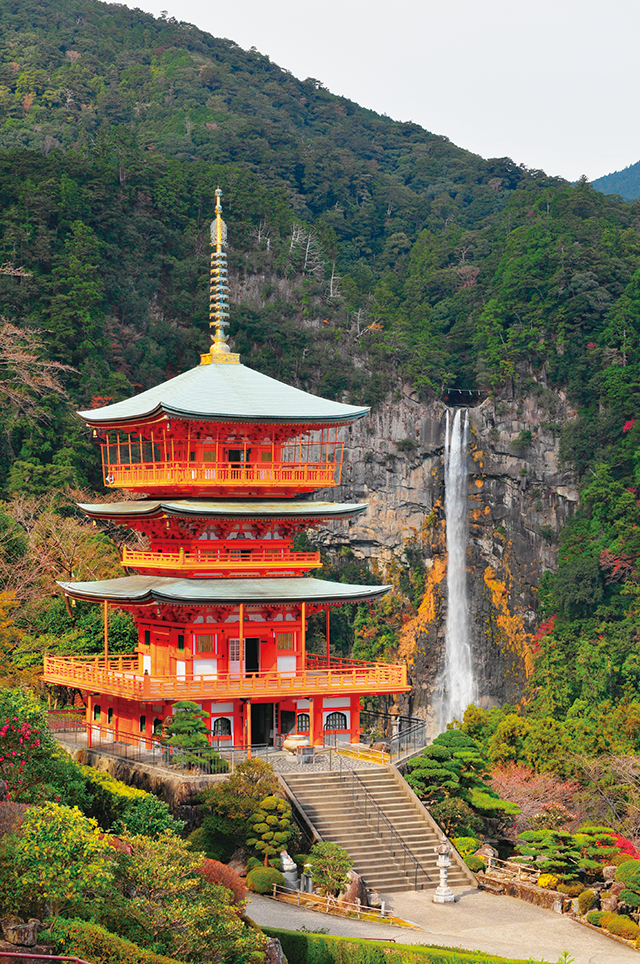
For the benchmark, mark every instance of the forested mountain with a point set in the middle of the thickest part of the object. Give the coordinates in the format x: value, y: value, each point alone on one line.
x: 366, y: 255
x: 626, y: 182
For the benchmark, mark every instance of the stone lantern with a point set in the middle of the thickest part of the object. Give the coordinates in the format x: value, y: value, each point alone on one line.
x: 443, y: 894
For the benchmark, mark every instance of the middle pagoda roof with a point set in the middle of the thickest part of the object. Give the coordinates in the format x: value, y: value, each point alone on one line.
x: 223, y: 392
x: 131, y: 590
x: 227, y: 509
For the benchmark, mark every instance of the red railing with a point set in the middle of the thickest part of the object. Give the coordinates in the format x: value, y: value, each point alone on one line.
x: 215, y: 561
x: 20, y: 955
x: 303, y: 475
x: 120, y: 676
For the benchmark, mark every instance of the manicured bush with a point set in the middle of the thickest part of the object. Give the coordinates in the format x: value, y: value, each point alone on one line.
x: 117, y: 806
x: 629, y: 874
x: 301, y: 860
x: 475, y: 864
x: 619, y: 859
x: 622, y: 926
x: 548, y: 881
x: 95, y: 944
x: 261, y: 879
x: 599, y: 917
x: 215, y: 872
x: 466, y: 845
x: 252, y: 862
x: 573, y: 888
x: 586, y: 901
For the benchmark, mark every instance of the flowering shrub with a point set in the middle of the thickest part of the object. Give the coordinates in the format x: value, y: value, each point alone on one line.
x: 18, y: 740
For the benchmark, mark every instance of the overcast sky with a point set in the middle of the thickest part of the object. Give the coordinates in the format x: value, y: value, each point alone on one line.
x: 552, y: 84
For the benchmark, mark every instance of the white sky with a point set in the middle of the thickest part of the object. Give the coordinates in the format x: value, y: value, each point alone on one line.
x: 552, y: 84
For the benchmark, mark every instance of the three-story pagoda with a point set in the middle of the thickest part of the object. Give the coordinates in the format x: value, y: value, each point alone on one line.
x: 222, y: 461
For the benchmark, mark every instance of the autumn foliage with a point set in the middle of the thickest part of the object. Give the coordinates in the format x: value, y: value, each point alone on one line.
x: 215, y: 872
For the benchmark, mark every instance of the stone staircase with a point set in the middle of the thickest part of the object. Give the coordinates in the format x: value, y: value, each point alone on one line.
x: 340, y: 812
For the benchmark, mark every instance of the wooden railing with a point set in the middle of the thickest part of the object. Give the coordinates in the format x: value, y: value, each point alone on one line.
x: 120, y: 676
x: 300, y: 475
x: 222, y: 560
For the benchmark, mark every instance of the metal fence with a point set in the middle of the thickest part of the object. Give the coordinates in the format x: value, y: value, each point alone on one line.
x: 402, y: 735
x: 196, y: 761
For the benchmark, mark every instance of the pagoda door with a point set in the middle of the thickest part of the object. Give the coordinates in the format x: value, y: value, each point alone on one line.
x: 251, y: 656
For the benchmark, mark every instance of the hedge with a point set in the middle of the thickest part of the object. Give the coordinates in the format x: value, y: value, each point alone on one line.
x: 307, y: 948
x: 94, y: 943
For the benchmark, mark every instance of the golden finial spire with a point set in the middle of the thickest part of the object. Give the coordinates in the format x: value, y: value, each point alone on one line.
x: 219, y: 292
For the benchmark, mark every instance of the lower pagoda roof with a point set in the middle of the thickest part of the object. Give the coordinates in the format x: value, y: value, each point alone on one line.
x: 163, y: 589
x: 228, y: 509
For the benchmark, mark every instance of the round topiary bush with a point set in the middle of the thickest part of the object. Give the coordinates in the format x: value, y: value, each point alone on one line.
x: 475, y: 864
x: 253, y: 862
x: 623, y: 927
x: 466, y: 845
x: 261, y: 879
x: 586, y: 901
x: 548, y: 881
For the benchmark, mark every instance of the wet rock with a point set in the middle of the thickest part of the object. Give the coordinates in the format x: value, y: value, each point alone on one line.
x: 15, y: 931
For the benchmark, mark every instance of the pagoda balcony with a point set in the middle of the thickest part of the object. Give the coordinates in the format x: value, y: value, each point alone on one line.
x: 121, y: 677
x: 211, y: 476
x: 223, y: 562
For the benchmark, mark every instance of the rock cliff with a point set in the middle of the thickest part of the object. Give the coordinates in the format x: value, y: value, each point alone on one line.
x: 519, y: 497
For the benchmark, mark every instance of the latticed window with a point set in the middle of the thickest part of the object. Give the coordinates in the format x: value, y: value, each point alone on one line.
x: 205, y: 644
x: 303, y: 723
x: 222, y: 726
x: 336, y: 721
x: 284, y: 640
x: 234, y: 650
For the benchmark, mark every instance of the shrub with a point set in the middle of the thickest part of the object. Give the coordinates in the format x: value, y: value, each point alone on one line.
x: 456, y: 817
x: 573, y: 888
x: 475, y: 864
x: 260, y: 880
x: 619, y: 859
x: 271, y: 827
x: 622, y: 927
x: 91, y: 942
x: 466, y: 845
x: 586, y: 901
x: 548, y: 881
x: 330, y: 864
x: 216, y: 873
x: 599, y: 917
x: 301, y: 860
x: 253, y: 862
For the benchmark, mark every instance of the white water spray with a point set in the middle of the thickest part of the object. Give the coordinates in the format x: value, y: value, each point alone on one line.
x: 458, y: 683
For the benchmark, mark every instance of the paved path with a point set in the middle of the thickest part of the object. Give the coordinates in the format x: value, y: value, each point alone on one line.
x: 479, y: 921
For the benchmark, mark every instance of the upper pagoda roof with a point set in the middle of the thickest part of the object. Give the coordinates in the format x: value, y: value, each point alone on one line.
x: 226, y: 393
x: 203, y: 592
x: 228, y: 509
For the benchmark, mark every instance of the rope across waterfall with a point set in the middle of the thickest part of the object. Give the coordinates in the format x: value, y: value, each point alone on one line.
x: 458, y: 683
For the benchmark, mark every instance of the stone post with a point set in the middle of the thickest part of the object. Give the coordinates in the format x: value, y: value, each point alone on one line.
x: 443, y: 894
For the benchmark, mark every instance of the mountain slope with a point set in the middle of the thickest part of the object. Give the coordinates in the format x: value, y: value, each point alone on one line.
x: 626, y: 183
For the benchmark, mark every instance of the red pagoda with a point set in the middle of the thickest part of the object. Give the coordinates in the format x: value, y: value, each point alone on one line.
x: 222, y: 461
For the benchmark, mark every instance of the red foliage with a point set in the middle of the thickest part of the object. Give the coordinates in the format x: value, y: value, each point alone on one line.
x: 116, y: 843
x: 591, y: 344
x: 628, y: 425
x: 98, y: 401
x: 625, y: 846
x: 616, y: 565
x: 216, y: 873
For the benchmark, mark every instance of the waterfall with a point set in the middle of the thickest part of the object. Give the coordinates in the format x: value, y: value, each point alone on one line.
x: 458, y: 683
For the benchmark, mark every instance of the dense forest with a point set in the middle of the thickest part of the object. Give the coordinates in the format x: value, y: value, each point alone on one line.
x: 365, y: 254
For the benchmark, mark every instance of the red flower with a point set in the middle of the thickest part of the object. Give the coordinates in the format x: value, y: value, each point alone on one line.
x: 628, y: 425
x: 591, y: 344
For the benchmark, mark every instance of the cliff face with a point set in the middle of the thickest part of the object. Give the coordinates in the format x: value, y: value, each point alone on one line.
x: 519, y: 497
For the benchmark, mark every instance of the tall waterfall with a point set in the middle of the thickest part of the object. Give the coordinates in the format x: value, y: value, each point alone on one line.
x: 458, y: 683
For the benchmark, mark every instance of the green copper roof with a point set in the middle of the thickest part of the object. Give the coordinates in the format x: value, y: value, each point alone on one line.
x: 147, y: 589
x: 212, y: 508
x: 232, y: 393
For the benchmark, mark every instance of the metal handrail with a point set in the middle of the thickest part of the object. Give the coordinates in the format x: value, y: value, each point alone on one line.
x: 393, y: 833
x: 411, y: 731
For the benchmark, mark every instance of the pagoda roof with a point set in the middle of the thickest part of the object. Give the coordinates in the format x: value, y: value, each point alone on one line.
x: 227, y: 393
x: 163, y: 589
x: 216, y: 508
